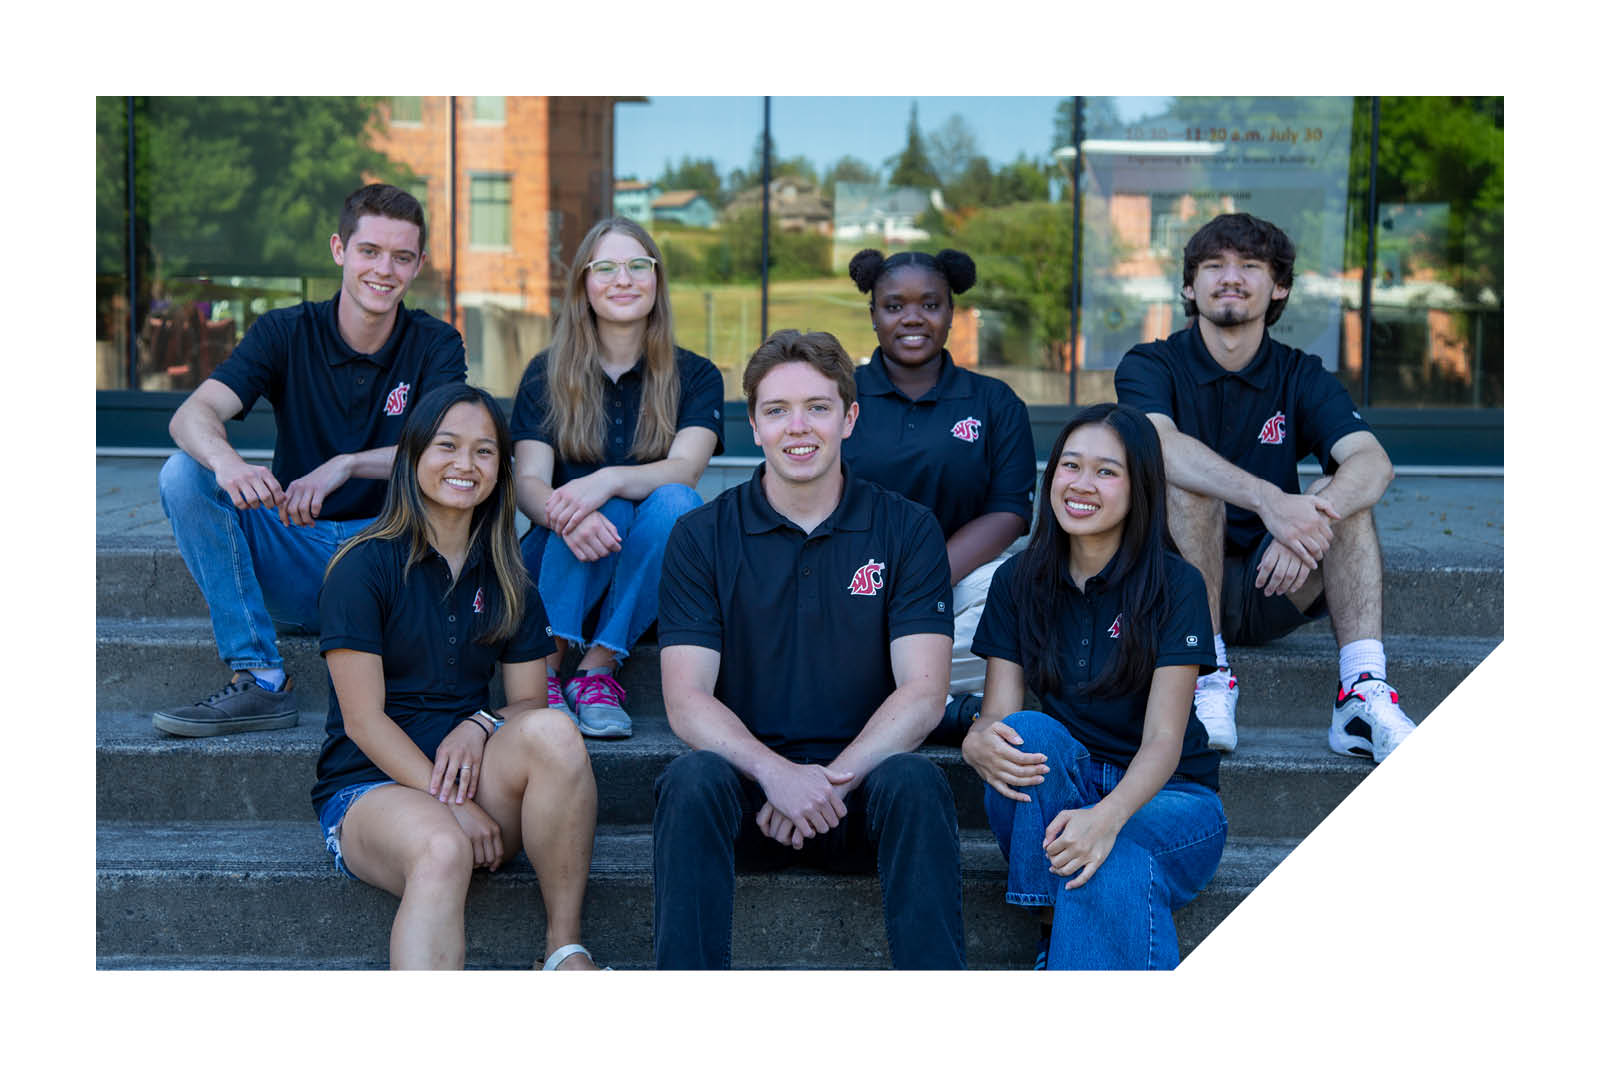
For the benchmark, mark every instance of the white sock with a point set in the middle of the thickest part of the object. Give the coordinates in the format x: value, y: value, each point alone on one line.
x: 1222, y: 654
x: 268, y: 678
x: 1364, y: 655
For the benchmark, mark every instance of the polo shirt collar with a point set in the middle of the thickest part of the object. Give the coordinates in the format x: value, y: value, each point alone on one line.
x: 873, y: 379
x: 1208, y: 370
x: 343, y: 353
x: 853, y: 512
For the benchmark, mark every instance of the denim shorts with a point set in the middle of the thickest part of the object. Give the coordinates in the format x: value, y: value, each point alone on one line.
x: 332, y: 818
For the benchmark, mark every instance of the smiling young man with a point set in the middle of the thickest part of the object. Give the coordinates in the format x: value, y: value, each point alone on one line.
x: 340, y: 375
x: 1236, y: 410
x: 805, y: 652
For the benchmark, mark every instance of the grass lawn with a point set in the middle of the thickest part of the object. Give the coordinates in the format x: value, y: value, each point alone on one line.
x: 830, y: 304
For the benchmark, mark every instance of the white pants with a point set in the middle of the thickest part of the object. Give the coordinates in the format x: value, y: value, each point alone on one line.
x: 968, y: 597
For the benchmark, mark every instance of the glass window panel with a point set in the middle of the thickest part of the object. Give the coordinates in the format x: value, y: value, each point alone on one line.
x: 488, y: 109
x: 1438, y: 321
x: 236, y: 198
x: 688, y: 169
x: 111, y: 243
x: 405, y: 110
x: 897, y: 173
x: 1155, y: 169
x: 491, y: 210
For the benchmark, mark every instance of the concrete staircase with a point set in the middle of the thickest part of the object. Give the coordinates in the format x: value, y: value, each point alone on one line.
x: 208, y: 855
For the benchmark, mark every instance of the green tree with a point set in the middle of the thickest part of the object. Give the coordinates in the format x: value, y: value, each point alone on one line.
x: 953, y: 148
x: 750, y: 176
x: 911, y: 165
x: 1024, y: 257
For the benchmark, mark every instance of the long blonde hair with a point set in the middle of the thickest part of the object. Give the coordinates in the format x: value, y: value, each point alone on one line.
x: 494, y: 522
x: 575, y: 415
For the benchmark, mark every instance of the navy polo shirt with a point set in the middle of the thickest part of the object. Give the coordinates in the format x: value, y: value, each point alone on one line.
x: 804, y: 621
x: 1111, y: 727
x: 699, y: 404
x: 328, y: 399
x: 435, y: 670
x: 1283, y: 405
x: 964, y: 448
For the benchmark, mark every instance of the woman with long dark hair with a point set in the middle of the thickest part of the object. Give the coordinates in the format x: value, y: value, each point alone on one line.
x: 1105, y: 802
x: 614, y: 425
x: 951, y: 439
x: 419, y: 783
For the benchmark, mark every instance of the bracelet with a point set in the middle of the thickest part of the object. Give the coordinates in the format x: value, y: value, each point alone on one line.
x: 474, y: 720
x: 488, y: 719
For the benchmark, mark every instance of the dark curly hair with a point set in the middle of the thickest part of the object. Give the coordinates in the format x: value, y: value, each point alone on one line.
x: 1248, y: 236
x: 868, y: 266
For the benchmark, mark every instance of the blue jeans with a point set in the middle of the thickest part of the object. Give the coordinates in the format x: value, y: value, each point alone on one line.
x: 1121, y: 919
x: 251, y: 568
x: 902, y: 817
x: 628, y: 581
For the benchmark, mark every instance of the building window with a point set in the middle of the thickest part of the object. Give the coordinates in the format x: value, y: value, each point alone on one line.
x: 418, y: 189
x: 490, y: 211
x: 405, y: 110
x: 489, y: 109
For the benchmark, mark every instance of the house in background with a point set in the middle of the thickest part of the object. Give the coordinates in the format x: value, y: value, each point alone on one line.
x: 797, y: 206
x: 685, y: 206
x: 865, y: 213
x: 631, y: 199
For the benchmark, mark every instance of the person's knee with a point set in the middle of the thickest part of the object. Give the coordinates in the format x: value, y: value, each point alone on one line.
x: 443, y: 857
x: 182, y: 478
x: 695, y: 780
x: 550, y: 740
x: 671, y: 500
x: 910, y: 777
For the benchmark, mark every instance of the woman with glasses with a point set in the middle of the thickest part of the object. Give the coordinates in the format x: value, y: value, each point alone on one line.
x: 614, y: 425
x: 953, y: 440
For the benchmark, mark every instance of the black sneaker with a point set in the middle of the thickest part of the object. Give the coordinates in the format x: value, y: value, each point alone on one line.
x: 239, y: 706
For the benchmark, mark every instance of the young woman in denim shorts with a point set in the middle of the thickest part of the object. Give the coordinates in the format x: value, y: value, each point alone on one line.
x: 1105, y: 802
x: 614, y: 425
x: 419, y: 783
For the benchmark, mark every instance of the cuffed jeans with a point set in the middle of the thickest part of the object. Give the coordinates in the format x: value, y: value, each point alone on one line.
x: 252, y: 569
x: 902, y: 816
x: 627, y: 580
x: 1121, y: 919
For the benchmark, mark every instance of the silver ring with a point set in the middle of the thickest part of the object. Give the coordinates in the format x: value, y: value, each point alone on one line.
x: 465, y: 767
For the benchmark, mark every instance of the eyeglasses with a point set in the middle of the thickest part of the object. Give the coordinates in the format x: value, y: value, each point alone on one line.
x: 606, y: 269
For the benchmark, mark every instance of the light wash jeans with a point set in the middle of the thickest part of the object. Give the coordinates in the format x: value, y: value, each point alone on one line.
x: 252, y: 569
x: 626, y: 584
x: 1121, y: 919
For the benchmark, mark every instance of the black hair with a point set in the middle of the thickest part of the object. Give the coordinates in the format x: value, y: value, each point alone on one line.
x: 1248, y: 236
x: 956, y: 268
x: 1041, y: 578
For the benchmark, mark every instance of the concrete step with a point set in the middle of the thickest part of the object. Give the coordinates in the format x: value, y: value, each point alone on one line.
x: 144, y: 577
x: 264, y: 894
x: 1280, y: 783
x: 152, y: 664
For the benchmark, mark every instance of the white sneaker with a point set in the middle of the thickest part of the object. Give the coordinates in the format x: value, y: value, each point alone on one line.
x: 1216, y: 695
x: 1367, y: 720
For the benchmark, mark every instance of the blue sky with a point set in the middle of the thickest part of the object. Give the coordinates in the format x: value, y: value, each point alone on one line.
x: 821, y: 128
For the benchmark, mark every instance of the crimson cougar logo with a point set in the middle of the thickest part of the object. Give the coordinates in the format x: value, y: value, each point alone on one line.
x: 395, y: 404
x: 1272, y: 430
x: 477, y: 601
x: 868, y: 579
x: 1115, y: 629
x: 966, y: 429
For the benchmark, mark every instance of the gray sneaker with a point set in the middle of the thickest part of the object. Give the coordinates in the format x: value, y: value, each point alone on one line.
x: 239, y: 706
x: 597, y: 698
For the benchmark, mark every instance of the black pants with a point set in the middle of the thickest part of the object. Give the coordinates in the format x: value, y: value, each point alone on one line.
x: 902, y: 816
